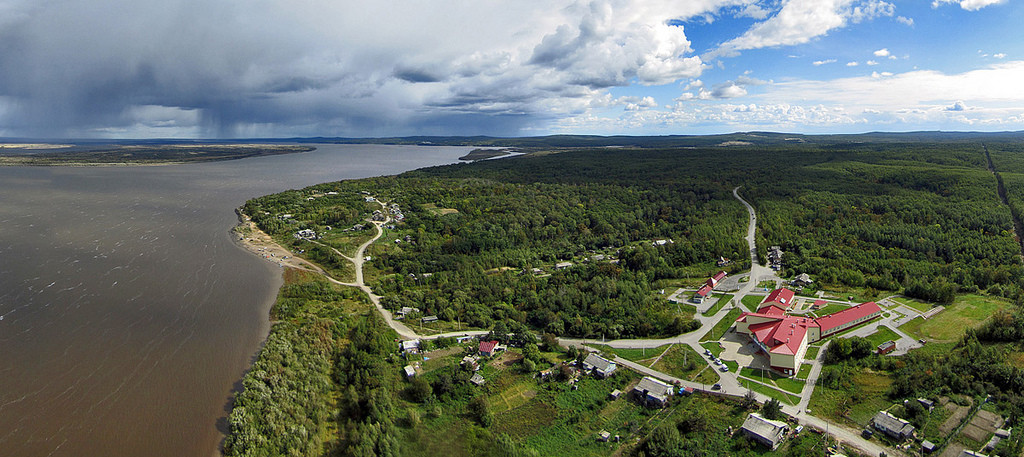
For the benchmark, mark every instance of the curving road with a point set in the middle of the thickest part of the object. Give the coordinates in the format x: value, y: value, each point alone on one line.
x: 357, y: 262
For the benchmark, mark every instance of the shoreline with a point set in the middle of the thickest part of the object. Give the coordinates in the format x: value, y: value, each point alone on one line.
x: 247, y: 235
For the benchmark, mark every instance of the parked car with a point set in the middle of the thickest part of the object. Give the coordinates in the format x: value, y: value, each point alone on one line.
x: 716, y: 387
x: 724, y: 369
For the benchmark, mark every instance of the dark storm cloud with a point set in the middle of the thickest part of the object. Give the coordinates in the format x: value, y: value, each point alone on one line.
x: 307, y: 67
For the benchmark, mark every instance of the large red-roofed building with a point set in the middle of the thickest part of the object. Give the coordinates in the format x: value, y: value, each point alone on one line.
x: 784, y: 338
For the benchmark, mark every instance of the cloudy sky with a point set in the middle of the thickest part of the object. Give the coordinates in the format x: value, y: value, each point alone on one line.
x: 276, y: 68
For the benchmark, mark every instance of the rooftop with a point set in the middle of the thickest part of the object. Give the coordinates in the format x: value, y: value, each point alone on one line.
x: 847, y: 315
x: 782, y: 296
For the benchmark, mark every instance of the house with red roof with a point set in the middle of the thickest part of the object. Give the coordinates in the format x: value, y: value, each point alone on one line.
x: 784, y: 338
x: 709, y: 286
x: 489, y: 348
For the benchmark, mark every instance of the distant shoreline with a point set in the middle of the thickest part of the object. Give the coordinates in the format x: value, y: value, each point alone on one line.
x: 483, y: 154
x: 140, y: 155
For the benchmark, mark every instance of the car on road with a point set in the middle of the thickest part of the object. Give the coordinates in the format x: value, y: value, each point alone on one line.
x: 724, y: 369
x: 716, y: 387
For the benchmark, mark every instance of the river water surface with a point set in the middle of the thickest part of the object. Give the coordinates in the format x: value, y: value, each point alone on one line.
x: 127, y: 313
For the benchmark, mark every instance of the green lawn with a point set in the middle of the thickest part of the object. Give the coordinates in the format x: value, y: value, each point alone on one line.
x: 723, y: 325
x: 812, y: 352
x: 634, y: 355
x: 829, y: 309
x: 882, y: 335
x: 682, y: 362
x: 751, y: 301
x: 857, y: 405
x: 913, y: 303
x: 723, y: 299
x: 967, y: 311
x: 773, y: 393
x: 805, y: 369
x: 714, y: 347
x: 772, y: 378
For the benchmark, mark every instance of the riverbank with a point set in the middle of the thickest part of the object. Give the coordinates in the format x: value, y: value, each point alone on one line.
x: 258, y: 242
x: 137, y: 155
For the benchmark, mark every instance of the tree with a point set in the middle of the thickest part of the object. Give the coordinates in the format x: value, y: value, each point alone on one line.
x: 419, y: 390
x: 771, y: 409
x: 749, y: 400
x: 480, y: 411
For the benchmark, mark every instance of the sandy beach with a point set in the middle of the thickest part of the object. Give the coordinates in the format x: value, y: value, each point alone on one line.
x: 256, y: 241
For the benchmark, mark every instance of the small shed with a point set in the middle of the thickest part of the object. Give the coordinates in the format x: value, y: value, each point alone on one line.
x: 477, y: 380
x: 615, y: 394
x: 410, y: 371
x: 926, y: 403
x: 428, y: 319
x: 927, y: 446
x: 886, y: 347
x: 603, y: 436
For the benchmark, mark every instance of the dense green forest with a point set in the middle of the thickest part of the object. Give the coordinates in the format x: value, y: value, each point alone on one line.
x: 324, y: 380
x: 918, y: 218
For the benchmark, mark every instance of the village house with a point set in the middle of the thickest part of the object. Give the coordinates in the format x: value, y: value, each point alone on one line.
x: 562, y: 265
x: 305, y: 234
x: 892, y: 426
x: 709, y: 286
x: 600, y: 366
x: 409, y: 346
x: 784, y: 338
x: 428, y: 319
x: 765, y: 431
x: 652, y: 393
x: 405, y: 311
x: 802, y: 280
x: 410, y: 371
x: 489, y: 348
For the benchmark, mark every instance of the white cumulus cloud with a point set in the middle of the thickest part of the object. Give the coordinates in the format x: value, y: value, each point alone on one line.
x: 969, y: 5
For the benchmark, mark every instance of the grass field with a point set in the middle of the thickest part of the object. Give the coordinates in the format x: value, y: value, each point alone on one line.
x: 771, y: 378
x: 634, y: 355
x: 857, y: 405
x: 751, y: 301
x: 714, y: 347
x: 882, y: 335
x: 683, y: 362
x: 812, y: 352
x: 773, y: 393
x: 829, y: 309
x: 722, y: 325
x: 723, y: 299
x: 805, y: 369
x: 967, y: 311
x: 913, y: 303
